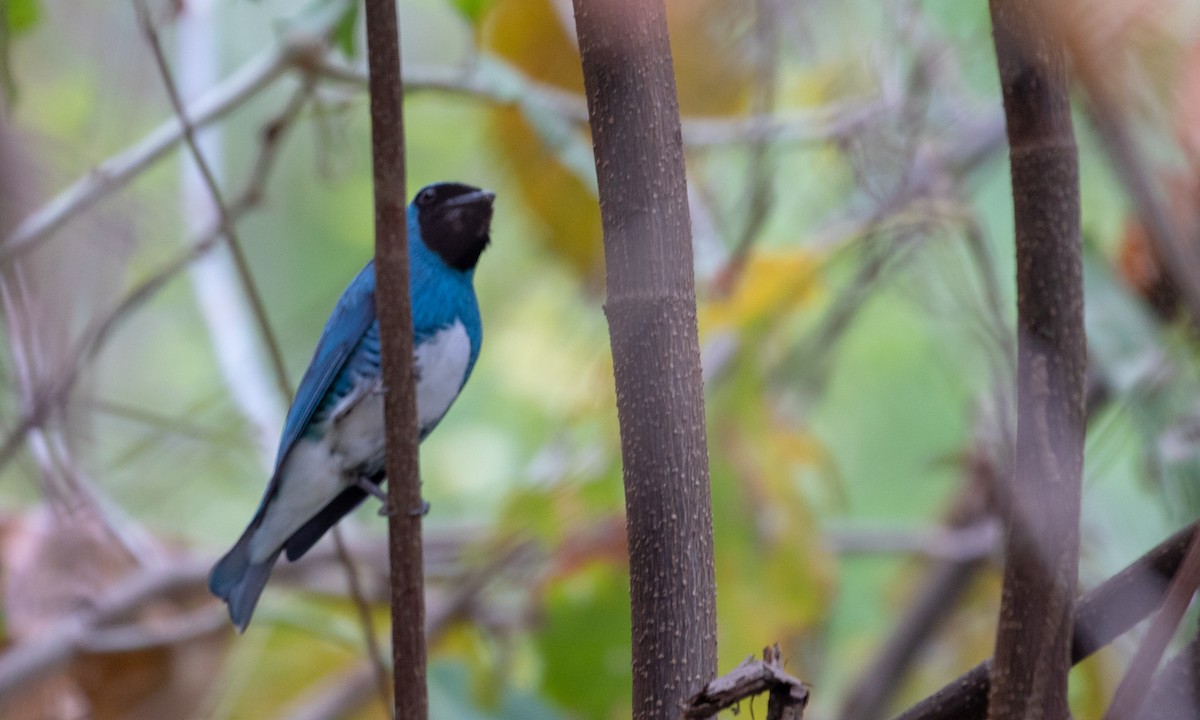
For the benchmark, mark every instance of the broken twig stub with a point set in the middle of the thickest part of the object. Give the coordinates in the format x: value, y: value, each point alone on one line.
x: 787, y: 694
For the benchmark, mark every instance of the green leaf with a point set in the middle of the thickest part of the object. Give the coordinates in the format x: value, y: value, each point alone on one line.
x: 473, y: 10
x: 16, y: 17
x: 21, y: 15
x: 584, y: 641
x: 343, y: 31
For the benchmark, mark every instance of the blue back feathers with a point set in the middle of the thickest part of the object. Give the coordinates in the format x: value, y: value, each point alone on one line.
x: 349, y: 344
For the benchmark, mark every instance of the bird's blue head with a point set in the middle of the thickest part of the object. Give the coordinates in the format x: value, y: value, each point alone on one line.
x: 454, y: 220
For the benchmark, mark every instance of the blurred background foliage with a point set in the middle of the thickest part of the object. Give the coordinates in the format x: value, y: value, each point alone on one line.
x: 852, y: 221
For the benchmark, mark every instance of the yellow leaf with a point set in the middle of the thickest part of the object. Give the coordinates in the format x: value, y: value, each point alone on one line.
x: 537, y: 37
x: 772, y: 284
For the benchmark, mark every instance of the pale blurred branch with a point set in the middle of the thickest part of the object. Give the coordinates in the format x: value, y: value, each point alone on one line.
x: 116, y: 172
x: 227, y: 225
x: 934, y: 168
x: 492, y: 80
x: 976, y: 541
x: 21, y: 664
x: 1175, y: 694
x: 759, y: 186
x: 1097, y: 69
x: 53, y: 392
x: 142, y: 636
x: 109, y: 623
x: 942, y: 584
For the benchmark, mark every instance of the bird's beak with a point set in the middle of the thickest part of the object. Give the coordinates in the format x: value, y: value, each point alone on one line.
x: 471, y: 213
x: 479, y: 197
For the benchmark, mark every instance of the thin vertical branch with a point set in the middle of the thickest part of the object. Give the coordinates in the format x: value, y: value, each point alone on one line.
x: 355, y: 588
x: 236, y: 340
x: 395, y: 324
x: 651, y: 308
x: 1041, y: 504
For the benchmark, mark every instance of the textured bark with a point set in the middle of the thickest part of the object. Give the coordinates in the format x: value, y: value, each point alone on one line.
x: 1041, y: 505
x: 1110, y: 610
x: 396, y: 337
x: 651, y: 311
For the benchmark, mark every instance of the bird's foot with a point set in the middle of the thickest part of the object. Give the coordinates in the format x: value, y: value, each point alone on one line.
x: 420, y: 511
x: 378, y: 493
x: 371, y: 489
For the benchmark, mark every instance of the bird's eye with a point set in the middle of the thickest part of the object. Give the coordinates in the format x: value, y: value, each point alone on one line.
x: 426, y: 196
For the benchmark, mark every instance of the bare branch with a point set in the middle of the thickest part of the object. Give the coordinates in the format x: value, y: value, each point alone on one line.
x: 938, y: 592
x: 1111, y: 609
x: 788, y: 695
x: 109, y: 623
x: 1175, y: 694
x: 23, y: 663
x: 228, y: 228
x: 116, y: 172
x: 1133, y: 688
x: 354, y: 587
x: 258, y: 309
x: 976, y: 541
x: 54, y: 392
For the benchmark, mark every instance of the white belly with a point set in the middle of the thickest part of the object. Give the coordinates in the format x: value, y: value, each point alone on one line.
x: 441, y: 363
x: 317, y: 470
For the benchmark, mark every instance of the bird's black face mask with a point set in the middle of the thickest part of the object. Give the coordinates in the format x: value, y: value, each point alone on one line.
x: 455, y: 219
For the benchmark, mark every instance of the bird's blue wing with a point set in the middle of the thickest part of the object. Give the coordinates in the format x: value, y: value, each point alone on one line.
x: 351, y: 319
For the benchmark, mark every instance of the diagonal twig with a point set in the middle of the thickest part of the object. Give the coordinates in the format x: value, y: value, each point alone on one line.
x: 54, y: 392
x: 1131, y: 693
x: 227, y: 225
x: 117, y: 171
x: 1101, y: 615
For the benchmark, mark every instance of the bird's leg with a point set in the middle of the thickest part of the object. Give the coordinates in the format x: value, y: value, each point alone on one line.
x: 377, y: 492
x: 371, y: 489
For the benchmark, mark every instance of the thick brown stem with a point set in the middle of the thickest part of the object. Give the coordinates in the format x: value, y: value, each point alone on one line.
x: 396, y: 336
x: 1033, y: 638
x: 651, y: 310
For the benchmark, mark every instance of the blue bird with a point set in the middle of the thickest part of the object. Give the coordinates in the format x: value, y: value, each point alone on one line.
x: 331, y: 455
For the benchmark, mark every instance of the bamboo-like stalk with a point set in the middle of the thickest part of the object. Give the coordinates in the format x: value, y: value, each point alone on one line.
x: 651, y: 309
x: 1041, y: 503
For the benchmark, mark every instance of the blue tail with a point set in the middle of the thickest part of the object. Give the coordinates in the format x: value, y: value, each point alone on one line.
x: 238, y: 581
